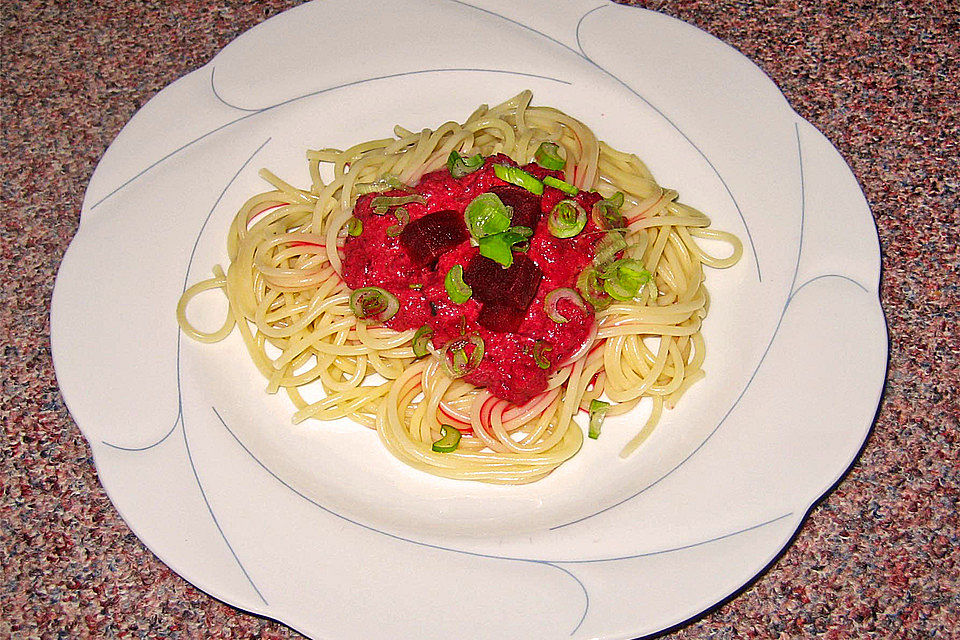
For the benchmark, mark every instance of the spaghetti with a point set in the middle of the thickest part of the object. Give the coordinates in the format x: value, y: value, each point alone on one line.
x: 299, y: 320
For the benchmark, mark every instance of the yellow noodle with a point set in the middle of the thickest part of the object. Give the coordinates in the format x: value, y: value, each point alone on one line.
x: 291, y: 307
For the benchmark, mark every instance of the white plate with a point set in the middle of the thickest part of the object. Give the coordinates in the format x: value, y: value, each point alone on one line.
x: 319, y: 527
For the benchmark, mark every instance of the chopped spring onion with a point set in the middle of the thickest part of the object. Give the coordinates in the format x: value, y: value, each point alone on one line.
x: 606, y: 213
x: 540, y: 347
x: 619, y: 291
x: 386, y: 182
x: 598, y: 411
x: 382, y: 204
x: 628, y: 265
x: 552, y: 300
x: 609, y: 246
x: 460, y: 166
x: 402, y: 219
x: 456, y: 361
x: 619, y: 280
x: 623, y: 279
x: 373, y: 304
x: 564, y: 186
x: 521, y: 246
x: 416, y: 285
x: 567, y: 219
x: 486, y: 215
x: 519, y: 177
x: 499, y: 247
x: 548, y: 156
x: 458, y: 290
x: 354, y: 226
x: 496, y: 249
x: 591, y: 288
x: 449, y: 439
x: 421, y: 341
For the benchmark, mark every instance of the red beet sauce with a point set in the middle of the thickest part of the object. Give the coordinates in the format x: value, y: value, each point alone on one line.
x: 508, y: 368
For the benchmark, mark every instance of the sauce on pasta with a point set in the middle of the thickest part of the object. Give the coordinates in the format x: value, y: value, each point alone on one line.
x: 370, y: 285
x: 523, y: 346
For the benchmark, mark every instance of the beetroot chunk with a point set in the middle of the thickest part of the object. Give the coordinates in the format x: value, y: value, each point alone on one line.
x: 427, y: 238
x: 500, y: 317
x: 482, y: 275
x: 526, y: 206
x: 515, y: 287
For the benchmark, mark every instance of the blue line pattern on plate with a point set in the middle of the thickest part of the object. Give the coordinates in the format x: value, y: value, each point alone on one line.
x: 792, y: 292
x: 556, y: 564
x: 180, y: 420
x: 733, y: 198
x: 582, y: 54
x: 186, y: 279
x: 255, y: 112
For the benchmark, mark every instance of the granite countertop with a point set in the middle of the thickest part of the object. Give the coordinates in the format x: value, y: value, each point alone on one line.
x: 877, y: 558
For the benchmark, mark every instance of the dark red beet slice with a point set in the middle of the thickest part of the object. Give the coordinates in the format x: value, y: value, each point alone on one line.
x: 525, y: 277
x: 500, y: 317
x: 526, y: 206
x: 515, y: 287
x: 483, y: 274
x: 427, y: 238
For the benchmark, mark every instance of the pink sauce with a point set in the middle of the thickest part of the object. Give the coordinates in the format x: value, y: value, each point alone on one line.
x: 508, y: 368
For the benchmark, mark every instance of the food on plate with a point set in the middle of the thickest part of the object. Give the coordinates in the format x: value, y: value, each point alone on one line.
x: 468, y: 291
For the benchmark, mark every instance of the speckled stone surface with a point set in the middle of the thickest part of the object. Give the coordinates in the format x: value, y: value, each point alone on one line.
x: 878, y: 558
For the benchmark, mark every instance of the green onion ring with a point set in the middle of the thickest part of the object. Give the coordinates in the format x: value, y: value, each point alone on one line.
x: 609, y: 246
x: 373, y: 304
x: 548, y: 156
x: 449, y: 439
x: 382, y: 204
x: 620, y: 290
x: 567, y: 219
x: 519, y: 177
x: 486, y: 215
x: 458, y: 290
x: 403, y: 218
x: 454, y: 358
x: 386, y: 182
x: 460, y: 166
x: 354, y: 226
x: 598, y: 411
x: 421, y: 341
x: 606, y: 213
x: 552, y: 299
x: 540, y: 347
x: 590, y: 287
x: 623, y: 278
x: 564, y: 186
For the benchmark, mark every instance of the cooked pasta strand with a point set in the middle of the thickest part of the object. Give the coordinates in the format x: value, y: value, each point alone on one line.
x: 291, y: 307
